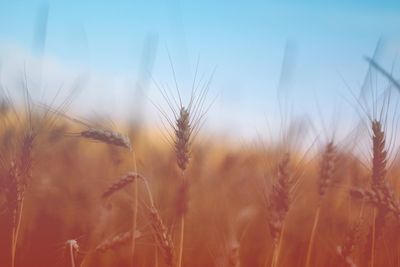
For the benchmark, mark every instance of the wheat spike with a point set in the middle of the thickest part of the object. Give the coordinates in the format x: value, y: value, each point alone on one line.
x: 108, y: 137
x: 16, y: 182
x: 13, y: 192
x: 345, y: 250
x: 279, y: 200
x: 377, y: 198
x: 116, y: 241
x: 327, y: 170
x: 121, y: 183
x: 162, y: 237
x: 182, y: 138
x: 379, y: 159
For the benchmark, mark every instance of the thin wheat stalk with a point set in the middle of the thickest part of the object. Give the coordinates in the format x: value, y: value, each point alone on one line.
x: 134, y: 206
x: 373, y: 239
x: 156, y: 257
x: 18, y: 178
x: 234, y: 254
x: 181, y: 238
x: 279, y: 204
x: 72, y: 250
x: 277, y: 250
x: 71, y: 253
x: 312, y: 236
x: 12, y: 198
x: 327, y: 172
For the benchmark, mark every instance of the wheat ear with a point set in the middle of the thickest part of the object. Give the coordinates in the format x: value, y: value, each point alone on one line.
x: 108, y: 137
x: 161, y: 235
x: 379, y: 183
x: 346, y: 250
x: 116, y: 241
x: 121, y: 183
x: 18, y: 178
x: 279, y: 203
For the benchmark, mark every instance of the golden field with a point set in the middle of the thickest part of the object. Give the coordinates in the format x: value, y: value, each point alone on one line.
x: 73, y: 193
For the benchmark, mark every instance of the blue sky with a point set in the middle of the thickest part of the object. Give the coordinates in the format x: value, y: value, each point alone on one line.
x: 244, y: 40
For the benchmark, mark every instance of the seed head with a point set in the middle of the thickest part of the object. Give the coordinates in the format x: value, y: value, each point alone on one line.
x: 279, y: 200
x: 108, y: 137
x: 182, y: 138
x: 327, y: 171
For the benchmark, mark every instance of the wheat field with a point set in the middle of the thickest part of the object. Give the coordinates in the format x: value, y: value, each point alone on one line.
x: 76, y: 193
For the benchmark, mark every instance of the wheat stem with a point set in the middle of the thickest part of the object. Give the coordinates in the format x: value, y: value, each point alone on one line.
x: 181, y: 236
x: 372, y: 259
x: 277, y: 249
x: 18, y: 226
x: 156, y: 256
x: 84, y: 260
x: 12, y: 247
x: 182, y: 228
x: 312, y: 237
x: 71, y: 255
x: 134, y: 206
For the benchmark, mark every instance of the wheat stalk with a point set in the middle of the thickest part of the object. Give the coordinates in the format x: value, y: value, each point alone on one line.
x: 185, y: 124
x: 279, y: 204
x: 327, y: 170
x: 183, y: 132
x: 378, y: 179
x: 18, y: 177
x: 72, y: 247
x: 233, y: 257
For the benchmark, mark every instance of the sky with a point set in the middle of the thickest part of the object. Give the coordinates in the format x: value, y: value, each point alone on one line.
x: 259, y: 54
